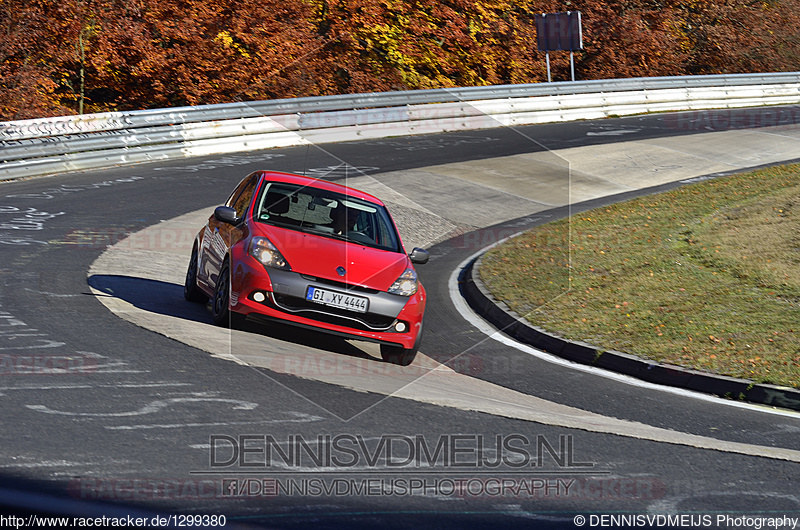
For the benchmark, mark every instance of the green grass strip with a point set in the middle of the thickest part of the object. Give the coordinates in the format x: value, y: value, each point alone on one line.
x: 706, y: 276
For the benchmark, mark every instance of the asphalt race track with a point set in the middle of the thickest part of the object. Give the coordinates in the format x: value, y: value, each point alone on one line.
x: 121, y: 398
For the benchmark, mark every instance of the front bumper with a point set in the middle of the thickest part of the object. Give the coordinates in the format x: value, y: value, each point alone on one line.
x: 281, y: 295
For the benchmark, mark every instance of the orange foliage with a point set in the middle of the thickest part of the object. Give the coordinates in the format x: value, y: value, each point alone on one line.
x: 119, y: 55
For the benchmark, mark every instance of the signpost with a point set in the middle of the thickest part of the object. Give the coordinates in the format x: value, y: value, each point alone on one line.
x: 559, y: 32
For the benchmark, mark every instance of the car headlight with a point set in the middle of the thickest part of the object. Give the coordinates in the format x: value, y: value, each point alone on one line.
x: 406, y: 284
x: 265, y: 252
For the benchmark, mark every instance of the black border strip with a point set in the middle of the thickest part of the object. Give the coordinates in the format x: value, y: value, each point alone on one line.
x: 516, y: 327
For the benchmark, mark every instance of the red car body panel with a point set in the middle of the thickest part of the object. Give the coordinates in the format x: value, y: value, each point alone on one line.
x: 313, y: 255
x: 314, y: 259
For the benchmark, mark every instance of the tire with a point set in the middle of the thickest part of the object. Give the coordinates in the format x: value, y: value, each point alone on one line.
x: 399, y: 355
x: 221, y: 302
x: 190, y: 290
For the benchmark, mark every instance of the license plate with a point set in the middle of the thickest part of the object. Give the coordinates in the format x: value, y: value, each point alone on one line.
x: 358, y: 304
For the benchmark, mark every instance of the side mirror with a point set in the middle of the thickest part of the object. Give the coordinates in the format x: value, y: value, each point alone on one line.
x: 419, y: 255
x: 226, y: 214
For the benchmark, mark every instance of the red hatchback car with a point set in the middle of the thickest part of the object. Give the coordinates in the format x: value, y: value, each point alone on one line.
x: 314, y: 254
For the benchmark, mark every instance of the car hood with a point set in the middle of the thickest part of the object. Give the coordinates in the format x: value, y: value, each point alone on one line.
x: 320, y: 257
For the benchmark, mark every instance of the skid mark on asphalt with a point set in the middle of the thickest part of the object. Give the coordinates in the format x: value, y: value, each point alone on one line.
x: 150, y: 408
x: 36, y: 462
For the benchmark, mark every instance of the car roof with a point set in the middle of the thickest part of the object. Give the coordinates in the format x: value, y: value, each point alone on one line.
x: 278, y: 176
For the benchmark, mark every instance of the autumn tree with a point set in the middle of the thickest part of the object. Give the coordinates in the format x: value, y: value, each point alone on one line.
x: 191, y: 52
x: 631, y: 38
x: 35, y: 46
x: 68, y: 56
x: 405, y: 44
x: 734, y: 36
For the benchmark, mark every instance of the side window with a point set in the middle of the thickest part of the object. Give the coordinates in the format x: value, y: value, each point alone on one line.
x: 241, y: 197
x: 238, y: 190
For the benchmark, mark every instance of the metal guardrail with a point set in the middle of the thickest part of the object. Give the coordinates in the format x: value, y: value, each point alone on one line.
x: 66, y: 143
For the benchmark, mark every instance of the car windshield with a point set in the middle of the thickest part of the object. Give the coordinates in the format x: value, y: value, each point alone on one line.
x: 326, y: 213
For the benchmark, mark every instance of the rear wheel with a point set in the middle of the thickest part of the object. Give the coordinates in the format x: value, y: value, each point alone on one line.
x: 190, y: 290
x: 221, y: 303
x: 399, y: 355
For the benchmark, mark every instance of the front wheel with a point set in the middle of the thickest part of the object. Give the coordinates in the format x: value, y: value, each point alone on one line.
x: 220, y: 305
x: 190, y: 289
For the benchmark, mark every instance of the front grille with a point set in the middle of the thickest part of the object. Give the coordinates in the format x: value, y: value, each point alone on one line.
x: 332, y: 315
